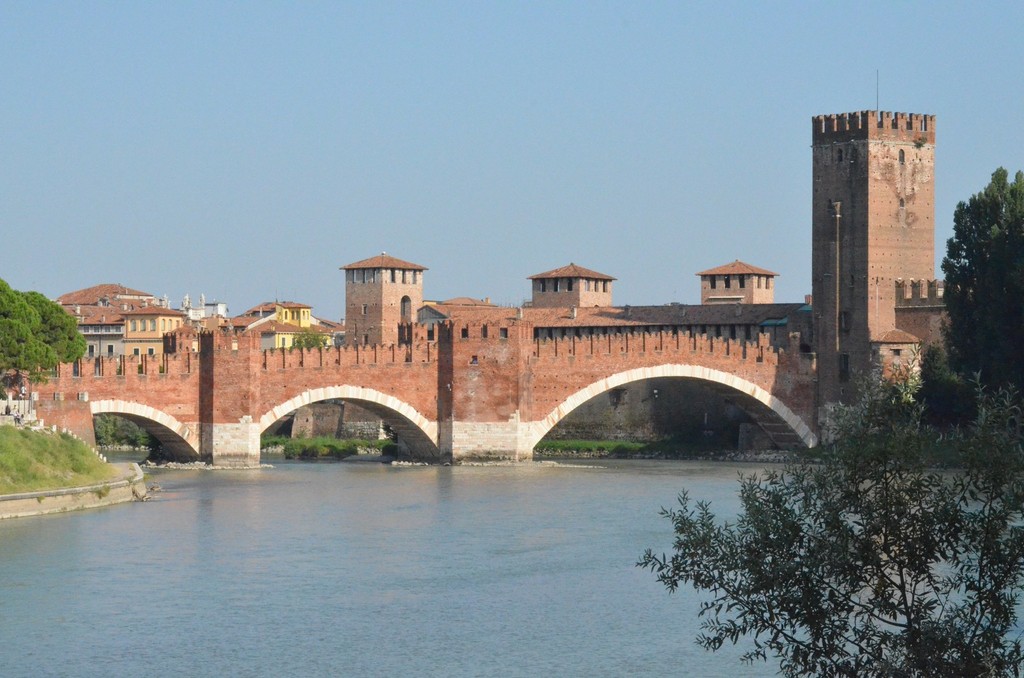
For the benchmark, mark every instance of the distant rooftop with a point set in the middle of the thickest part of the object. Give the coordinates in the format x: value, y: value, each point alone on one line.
x: 737, y: 268
x: 93, y: 295
x: 571, y: 271
x: 384, y: 260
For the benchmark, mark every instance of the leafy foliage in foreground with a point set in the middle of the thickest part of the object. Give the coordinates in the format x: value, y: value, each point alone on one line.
x: 870, y: 563
x: 31, y: 461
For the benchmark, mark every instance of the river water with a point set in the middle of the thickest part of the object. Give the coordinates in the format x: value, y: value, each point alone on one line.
x: 361, y: 569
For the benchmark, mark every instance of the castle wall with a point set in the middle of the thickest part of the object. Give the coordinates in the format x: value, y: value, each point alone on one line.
x: 382, y: 300
x: 880, y: 168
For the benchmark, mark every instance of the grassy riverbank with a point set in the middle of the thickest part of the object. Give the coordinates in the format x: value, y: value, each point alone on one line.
x: 326, y: 448
x: 31, y: 461
x: 674, y: 448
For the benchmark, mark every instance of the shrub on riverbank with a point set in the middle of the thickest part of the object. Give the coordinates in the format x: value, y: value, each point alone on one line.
x: 31, y: 461
x: 682, y: 447
x: 326, y: 448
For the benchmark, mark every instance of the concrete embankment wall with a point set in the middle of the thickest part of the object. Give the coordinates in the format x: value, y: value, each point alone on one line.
x: 128, y: 486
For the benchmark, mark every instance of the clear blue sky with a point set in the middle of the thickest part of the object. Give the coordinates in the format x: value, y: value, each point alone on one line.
x: 247, y: 150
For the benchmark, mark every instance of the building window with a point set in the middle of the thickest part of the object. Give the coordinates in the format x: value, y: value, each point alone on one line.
x: 134, y: 325
x: 728, y: 282
x: 586, y: 285
x: 394, y: 276
x: 605, y: 286
x: 714, y: 281
x: 150, y: 351
x: 403, y: 276
x: 844, y: 366
x: 110, y: 350
x: 430, y: 333
x: 152, y: 325
x: 743, y: 281
x: 903, y: 203
x: 503, y: 333
x: 557, y: 284
x: 840, y: 158
x: 91, y: 350
x: 903, y: 157
x: 568, y: 284
x: 465, y: 333
x: 135, y: 351
x: 483, y: 331
x: 365, y: 308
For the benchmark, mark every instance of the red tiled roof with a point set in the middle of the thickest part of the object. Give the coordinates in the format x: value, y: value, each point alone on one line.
x: 384, y: 260
x: 737, y: 268
x: 898, y: 337
x: 92, y: 295
x: 154, y: 310
x: 629, y: 316
x: 572, y: 271
x: 464, y: 301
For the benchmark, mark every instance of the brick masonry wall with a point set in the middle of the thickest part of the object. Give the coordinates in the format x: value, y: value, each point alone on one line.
x: 856, y: 161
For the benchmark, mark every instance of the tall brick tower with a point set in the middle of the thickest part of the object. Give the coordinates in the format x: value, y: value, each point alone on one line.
x: 380, y: 293
x: 873, y: 223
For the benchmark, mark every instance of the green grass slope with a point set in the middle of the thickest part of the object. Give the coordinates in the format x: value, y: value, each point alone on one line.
x: 31, y: 461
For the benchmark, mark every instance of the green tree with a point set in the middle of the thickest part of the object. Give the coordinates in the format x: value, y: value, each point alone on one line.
x: 310, y: 339
x: 947, y: 397
x: 869, y: 562
x: 35, y: 334
x: 984, y: 272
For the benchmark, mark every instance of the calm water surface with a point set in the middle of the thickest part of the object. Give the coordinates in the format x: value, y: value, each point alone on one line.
x: 360, y: 569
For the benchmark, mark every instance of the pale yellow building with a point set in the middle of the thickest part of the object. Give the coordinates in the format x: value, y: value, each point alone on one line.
x: 144, y: 329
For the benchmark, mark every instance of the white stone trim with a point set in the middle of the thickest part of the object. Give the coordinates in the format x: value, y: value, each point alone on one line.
x: 540, y: 428
x: 356, y: 393
x: 182, y: 430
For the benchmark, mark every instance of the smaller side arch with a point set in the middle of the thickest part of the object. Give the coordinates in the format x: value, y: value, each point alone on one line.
x: 541, y: 427
x: 424, y: 430
x: 170, y: 432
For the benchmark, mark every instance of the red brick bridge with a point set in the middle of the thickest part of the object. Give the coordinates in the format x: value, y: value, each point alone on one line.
x: 477, y: 392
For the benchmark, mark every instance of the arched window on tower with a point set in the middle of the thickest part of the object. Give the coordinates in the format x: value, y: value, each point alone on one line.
x: 840, y: 156
x: 406, y: 309
x: 902, y: 203
x: 903, y: 157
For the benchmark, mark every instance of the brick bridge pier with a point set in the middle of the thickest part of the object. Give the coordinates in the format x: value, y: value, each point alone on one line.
x: 477, y: 392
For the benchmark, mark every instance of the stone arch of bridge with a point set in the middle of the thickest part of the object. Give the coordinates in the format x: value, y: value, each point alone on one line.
x: 418, y: 432
x: 768, y: 410
x: 179, y: 440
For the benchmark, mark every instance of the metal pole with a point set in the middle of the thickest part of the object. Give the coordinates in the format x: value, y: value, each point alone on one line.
x: 837, y: 213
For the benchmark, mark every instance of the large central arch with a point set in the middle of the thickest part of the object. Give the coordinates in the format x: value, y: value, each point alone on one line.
x: 419, y: 432
x: 179, y: 440
x: 780, y: 411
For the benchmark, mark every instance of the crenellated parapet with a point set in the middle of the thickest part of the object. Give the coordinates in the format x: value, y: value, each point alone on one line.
x: 663, y: 343
x: 348, y: 356
x: 873, y: 125
x: 917, y: 293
